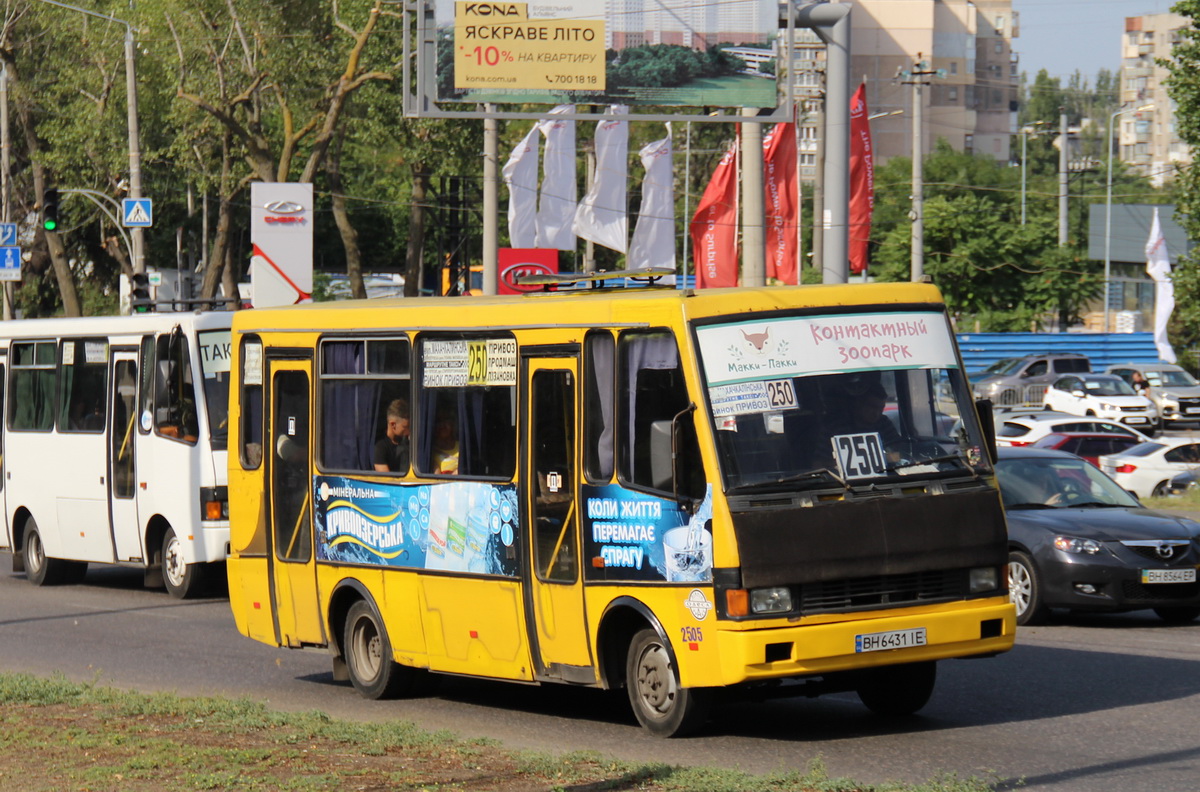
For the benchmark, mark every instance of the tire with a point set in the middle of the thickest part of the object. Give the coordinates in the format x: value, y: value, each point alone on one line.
x: 662, y: 707
x: 895, y: 691
x: 181, y: 579
x: 368, y: 654
x: 1160, y: 490
x: 39, y: 569
x: 1025, y: 589
x: 1177, y: 614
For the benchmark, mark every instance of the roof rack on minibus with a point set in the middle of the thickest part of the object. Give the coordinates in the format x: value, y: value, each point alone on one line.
x: 597, y: 280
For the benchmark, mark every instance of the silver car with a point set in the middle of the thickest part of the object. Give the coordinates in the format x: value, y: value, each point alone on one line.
x: 1023, y: 381
x: 1173, y: 390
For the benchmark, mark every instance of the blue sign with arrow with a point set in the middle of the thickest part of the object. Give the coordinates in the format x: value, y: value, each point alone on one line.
x: 10, y: 263
x: 8, y: 234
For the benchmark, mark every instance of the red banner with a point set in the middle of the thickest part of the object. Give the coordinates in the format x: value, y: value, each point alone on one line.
x: 715, y: 225
x: 862, y: 180
x: 780, y: 202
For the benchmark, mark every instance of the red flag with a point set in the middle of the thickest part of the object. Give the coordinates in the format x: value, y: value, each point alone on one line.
x: 862, y: 180
x: 779, y: 185
x: 714, y: 227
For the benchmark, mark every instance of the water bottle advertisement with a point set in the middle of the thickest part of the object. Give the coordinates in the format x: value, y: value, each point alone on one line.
x: 640, y: 537
x: 458, y: 526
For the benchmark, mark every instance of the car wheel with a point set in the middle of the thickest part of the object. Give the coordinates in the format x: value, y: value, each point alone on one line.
x: 1090, y: 413
x: 661, y: 705
x: 1160, y: 490
x: 897, y: 690
x: 1025, y: 590
x: 368, y: 652
x: 1177, y: 614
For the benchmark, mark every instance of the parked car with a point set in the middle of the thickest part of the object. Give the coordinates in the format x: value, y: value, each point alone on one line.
x: 1174, y: 391
x: 1147, y: 468
x: 1023, y: 380
x: 1104, y: 396
x: 1087, y: 445
x: 1024, y: 428
x: 1183, y: 483
x: 1079, y: 541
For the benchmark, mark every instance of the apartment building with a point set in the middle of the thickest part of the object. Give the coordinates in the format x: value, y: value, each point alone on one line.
x: 1147, y: 139
x: 968, y: 96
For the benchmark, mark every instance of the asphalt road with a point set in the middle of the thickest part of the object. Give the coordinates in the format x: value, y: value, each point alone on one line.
x: 1089, y: 703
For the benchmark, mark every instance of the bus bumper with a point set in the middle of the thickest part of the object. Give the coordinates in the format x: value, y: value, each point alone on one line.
x: 213, y: 542
x: 986, y: 627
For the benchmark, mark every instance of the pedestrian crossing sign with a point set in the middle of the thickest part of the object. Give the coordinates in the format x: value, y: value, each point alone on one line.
x: 137, y: 212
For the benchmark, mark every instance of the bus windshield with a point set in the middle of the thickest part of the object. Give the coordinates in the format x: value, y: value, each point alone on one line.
x: 838, y: 402
x: 214, y: 364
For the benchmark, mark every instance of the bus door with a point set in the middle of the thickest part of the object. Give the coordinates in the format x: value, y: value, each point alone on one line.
x: 293, y: 571
x: 554, y: 585
x: 122, y: 467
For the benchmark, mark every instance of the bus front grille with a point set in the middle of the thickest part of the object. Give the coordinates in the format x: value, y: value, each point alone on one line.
x: 883, y: 591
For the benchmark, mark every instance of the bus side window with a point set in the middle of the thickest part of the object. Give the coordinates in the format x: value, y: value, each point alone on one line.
x: 174, y: 392
x: 31, y: 404
x: 653, y: 393
x: 251, y: 418
x: 598, y: 379
x: 359, y: 379
x: 82, y: 397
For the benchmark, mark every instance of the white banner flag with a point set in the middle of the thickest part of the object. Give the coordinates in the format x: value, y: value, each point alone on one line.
x: 1158, y: 266
x: 556, y: 205
x: 520, y: 174
x: 653, y: 242
x: 601, y: 216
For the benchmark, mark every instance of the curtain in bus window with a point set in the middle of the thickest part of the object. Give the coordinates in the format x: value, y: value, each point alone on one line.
x: 598, y: 390
x: 351, y: 410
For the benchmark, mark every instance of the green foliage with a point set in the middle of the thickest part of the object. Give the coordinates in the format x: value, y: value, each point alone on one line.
x: 667, y: 65
x: 1184, y: 88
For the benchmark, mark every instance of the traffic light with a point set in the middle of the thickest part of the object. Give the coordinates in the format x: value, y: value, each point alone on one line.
x: 50, y: 209
x: 140, y: 298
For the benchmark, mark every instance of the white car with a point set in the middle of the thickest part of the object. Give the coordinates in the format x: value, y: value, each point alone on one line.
x: 1173, y: 390
x: 1015, y: 428
x: 1146, y: 470
x: 1103, y: 396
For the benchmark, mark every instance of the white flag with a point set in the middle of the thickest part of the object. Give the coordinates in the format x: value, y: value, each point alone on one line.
x: 1158, y: 266
x: 520, y: 174
x: 556, y: 205
x: 653, y: 242
x: 601, y: 216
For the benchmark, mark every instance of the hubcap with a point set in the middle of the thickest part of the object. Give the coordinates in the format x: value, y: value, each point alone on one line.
x: 1020, y: 586
x: 655, y: 681
x: 36, y: 556
x: 368, y: 650
x: 173, y: 566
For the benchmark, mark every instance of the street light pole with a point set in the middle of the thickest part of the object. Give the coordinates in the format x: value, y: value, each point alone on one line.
x: 135, y: 152
x: 1108, y: 205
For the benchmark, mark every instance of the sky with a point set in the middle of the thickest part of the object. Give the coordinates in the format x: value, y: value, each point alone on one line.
x: 1061, y: 36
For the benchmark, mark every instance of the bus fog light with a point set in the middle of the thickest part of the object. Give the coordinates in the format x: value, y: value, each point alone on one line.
x: 984, y: 579
x: 777, y: 599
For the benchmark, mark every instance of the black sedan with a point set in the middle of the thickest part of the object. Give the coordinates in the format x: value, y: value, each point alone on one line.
x: 1079, y: 541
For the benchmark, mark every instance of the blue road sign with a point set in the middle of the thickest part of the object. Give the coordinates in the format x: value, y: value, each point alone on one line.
x: 10, y: 263
x: 8, y: 234
x: 137, y: 212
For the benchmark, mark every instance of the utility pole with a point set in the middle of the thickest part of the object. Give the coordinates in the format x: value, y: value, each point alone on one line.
x: 754, y: 240
x: 818, y: 245
x: 491, y: 202
x: 5, y: 182
x: 1063, y: 151
x: 917, y: 78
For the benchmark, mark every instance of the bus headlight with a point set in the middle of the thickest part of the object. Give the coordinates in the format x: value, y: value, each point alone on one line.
x: 777, y: 599
x: 983, y: 579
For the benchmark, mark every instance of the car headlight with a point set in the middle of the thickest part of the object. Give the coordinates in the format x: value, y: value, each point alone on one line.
x: 1168, y: 404
x: 1107, y: 406
x: 1070, y: 544
x: 776, y: 599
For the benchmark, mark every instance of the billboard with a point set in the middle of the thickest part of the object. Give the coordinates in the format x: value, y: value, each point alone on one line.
x: 281, y: 233
x: 645, y: 52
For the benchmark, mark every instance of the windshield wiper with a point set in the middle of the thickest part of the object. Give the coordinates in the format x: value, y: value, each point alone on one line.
x: 1096, y: 505
x: 821, y: 473
x: 1031, y: 506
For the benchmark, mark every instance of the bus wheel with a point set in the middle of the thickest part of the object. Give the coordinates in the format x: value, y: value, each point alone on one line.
x: 182, y: 580
x: 40, y: 570
x: 897, y: 690
x: 663, y: 707
x: 369, y: 655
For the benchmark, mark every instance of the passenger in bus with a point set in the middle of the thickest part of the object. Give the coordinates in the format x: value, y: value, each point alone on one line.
x: 392, y: 450
x: 445, y: 443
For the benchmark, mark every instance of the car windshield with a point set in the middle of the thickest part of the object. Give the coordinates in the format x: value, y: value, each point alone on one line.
x: 214, y: 363
x: 794, y: 407
x: 1178, y: 379
x: 1057, y: 483
x: 1143, y: 449
x: 1006, y: 366
x: 1108, y: 387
